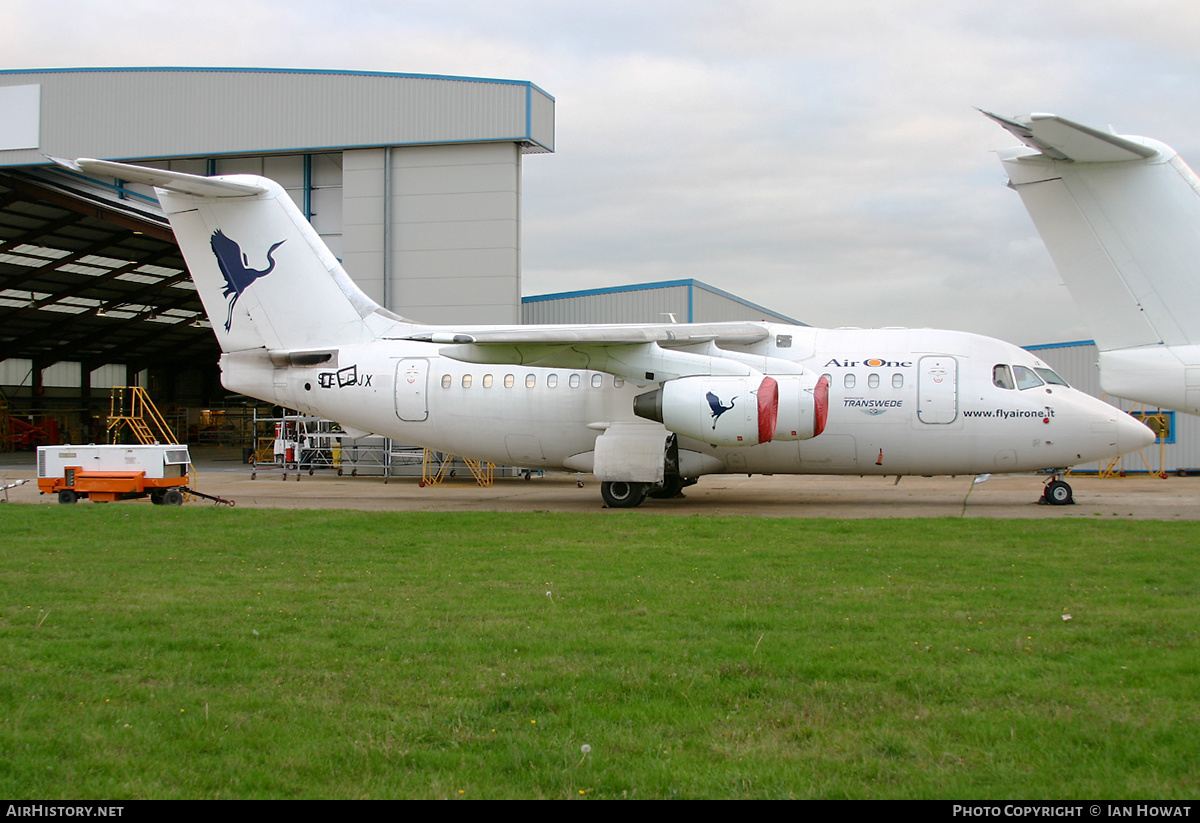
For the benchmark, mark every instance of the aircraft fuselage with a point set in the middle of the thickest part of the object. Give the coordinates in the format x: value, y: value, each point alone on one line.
x: 901, y: 401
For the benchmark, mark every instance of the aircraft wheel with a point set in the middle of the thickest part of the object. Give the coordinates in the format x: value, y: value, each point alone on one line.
x: 1058, y: 493
x: 67, y: 496
x: 172, y: 497
x: 619, y: 494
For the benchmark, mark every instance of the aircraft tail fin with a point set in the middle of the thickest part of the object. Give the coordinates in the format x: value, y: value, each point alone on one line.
x: 266, y: 278
x: 1120, y: 216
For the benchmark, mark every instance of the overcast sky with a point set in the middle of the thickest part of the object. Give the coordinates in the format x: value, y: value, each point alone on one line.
x: 820, y: 158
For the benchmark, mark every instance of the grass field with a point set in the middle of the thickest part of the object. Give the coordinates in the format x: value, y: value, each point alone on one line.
x: 198, y: 652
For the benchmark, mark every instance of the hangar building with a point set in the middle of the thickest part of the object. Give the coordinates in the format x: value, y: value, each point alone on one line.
x: 414, y: 181
x: 669, y: 301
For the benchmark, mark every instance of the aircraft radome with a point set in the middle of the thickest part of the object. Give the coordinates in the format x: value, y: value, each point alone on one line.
x: 1121, y: 218
x: 647, y: 409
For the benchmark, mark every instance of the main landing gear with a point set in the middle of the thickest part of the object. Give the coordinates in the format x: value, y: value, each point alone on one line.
x: 1057, y: 493
x: 620, y: 494
x: 627, y: 494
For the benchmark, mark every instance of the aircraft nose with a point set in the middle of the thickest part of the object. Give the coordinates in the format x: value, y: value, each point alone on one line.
x: 1133, y: 434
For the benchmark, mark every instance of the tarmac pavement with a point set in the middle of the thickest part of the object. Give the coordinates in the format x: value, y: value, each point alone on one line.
x: 221, y: 473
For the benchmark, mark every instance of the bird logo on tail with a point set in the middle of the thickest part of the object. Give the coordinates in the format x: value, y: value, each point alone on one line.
x: 236, y: 269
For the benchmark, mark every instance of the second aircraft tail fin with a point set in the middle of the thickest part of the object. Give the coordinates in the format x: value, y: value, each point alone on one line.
x: 1120, y: 216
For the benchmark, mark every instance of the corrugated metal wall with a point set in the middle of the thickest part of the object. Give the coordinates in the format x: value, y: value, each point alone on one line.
x: 689, y: 301
x: 642, y: 305
x: 147, y: 113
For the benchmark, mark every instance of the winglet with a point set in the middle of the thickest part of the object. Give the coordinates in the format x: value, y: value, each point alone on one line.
x: 171, y: 180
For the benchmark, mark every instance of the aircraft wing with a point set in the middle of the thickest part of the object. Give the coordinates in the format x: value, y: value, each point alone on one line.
x: 667, y: 334
x: 649, y: 353
x: 1061, y: 139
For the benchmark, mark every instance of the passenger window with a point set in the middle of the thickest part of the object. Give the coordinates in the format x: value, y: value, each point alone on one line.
x: 447, y: 381
x: 873, y: 380
x: 618, y: 382
x: 552, y: 380
x: 783, y: 341
x: 597, y: 381
x: 466, y: 381
x: 897, y: 381
x: 530, y: 381
x: 1026, y: 379
x: 849, y: 381
x: 509, y: 381
x: 487, y: 381
x: 1001, y: 377
x: 574, y: 381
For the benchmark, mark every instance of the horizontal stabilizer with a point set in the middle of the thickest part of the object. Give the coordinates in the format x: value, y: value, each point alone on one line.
x: 171, y: 180
x: 1061, y: 139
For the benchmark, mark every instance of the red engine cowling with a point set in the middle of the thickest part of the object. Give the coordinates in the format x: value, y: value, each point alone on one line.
x: 725, y: 411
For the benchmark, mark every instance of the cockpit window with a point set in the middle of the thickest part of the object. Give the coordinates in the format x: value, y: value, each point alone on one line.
x: 1050, y: 377
x: 1026, y: 379
x: 1002, y: 377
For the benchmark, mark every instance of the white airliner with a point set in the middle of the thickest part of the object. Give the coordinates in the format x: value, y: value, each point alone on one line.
x: 645, y: 408
x: 1121, y: 218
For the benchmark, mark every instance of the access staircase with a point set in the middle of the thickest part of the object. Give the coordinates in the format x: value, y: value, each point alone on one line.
x: 132, y: 407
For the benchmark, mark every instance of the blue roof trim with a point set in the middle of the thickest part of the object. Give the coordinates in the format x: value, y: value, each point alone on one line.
x: 1072, y: 344
x: 262, y: 70
x: 689, y: 284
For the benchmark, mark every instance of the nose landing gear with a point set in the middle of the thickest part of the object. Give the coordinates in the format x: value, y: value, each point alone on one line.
x: 1057, y: 493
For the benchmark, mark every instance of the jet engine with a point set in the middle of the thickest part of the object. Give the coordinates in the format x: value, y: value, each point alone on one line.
x: 738, y: 410
x: 803, y: 406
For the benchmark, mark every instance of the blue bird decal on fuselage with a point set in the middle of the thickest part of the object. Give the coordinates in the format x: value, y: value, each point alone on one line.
x: 236, y: 268
x: 718, y: 408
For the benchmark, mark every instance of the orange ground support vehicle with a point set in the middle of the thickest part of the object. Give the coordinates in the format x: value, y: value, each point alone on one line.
x: 107, y: 473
